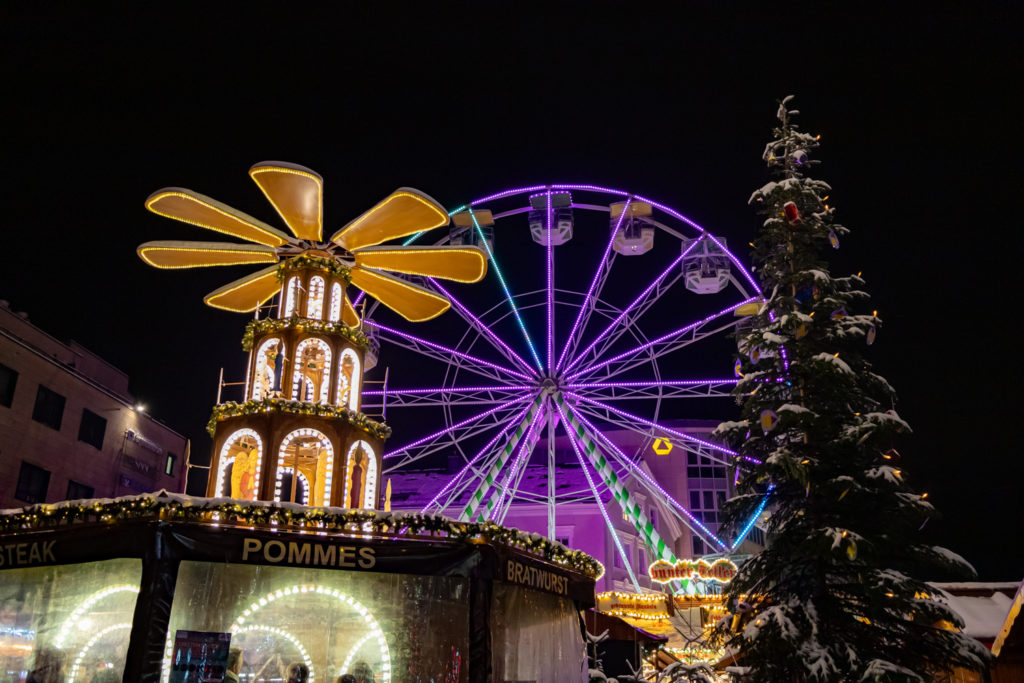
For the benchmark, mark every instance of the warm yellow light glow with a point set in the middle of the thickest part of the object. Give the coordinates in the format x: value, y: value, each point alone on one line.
x: 167, y: 254
x: 462, y: 264
x: 296, y: 193
x: 404, y: 212
x: 196, y: 209
x: 245, y: 294
x: 413, y: 303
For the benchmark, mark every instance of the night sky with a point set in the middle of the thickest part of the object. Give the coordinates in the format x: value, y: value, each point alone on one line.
x: 919, y: 111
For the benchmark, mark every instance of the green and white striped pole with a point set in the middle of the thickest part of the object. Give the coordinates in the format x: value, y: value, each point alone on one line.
x: 533, y: 436
x: 492, y: 474
x: 634, y: 513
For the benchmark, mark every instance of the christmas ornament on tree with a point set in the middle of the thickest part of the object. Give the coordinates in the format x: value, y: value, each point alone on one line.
x: 839, y: 313
x: 737, y: 369
x: 792, y: 214
x: 870, y: 337
x: 833, y: 239
x: 801, y: 331
x: 769, y: 418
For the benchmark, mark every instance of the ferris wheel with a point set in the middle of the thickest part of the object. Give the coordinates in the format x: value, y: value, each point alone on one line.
x: 607, y: 313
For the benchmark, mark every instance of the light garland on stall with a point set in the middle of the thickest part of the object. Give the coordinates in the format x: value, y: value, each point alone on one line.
x: 80, y: 611
x: 384, y: 525
x: 256, y: 328
x: 306, y: 659
x: 77, y: 664
x: 331, y: 265
x: 359, y: 420
x: 347, y: 600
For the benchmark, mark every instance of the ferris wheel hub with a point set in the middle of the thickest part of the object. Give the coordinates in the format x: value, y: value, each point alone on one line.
x: 548, y: 386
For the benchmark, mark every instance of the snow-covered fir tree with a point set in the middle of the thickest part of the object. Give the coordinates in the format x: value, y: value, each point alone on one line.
x: 840, y: 593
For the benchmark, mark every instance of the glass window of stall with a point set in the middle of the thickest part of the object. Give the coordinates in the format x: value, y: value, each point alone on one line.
x: 378, y: 627
x: 67, y: 623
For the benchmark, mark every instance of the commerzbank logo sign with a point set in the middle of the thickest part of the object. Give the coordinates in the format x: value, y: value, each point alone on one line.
x: 721, y: 570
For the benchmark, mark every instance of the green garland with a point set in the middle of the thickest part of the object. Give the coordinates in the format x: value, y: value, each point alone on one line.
x: 386, y: 524
x: 331, y: 265
x: 280, y: 405
x: 272, y: 325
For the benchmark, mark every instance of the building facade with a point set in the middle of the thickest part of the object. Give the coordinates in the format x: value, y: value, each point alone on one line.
x: 70, y: 429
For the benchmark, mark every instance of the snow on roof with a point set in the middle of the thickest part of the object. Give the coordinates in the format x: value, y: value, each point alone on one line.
x: 984, y: 607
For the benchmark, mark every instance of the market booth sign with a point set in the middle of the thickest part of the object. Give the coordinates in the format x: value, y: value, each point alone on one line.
x: 720, y: 571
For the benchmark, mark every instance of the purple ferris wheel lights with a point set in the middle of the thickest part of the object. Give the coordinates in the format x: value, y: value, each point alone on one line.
x: 551, y: 290
x: 664, y: 337
x: 501, y: 432
x: 593, y: 284
x: 445, y: 349
x: 665, y: 383
x: 448, y: 390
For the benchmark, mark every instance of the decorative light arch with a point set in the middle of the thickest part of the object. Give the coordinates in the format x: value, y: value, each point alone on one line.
x: 370, y: 490
x: 77, y: 662
x: 224, y: 460
x: 262, y: 378
x: 355, y: 650
x: 80, y: 611
x: 348, y: 385
x: 328, y: 448
x: 306, y: 659
x: 297, y: 373
x: 291, y: 294
x: 375, y: 629
x: 337, y: 295
x: 281, y: 471
x: 315, y: 298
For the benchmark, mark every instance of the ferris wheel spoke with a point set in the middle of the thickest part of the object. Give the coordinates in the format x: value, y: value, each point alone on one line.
x: 678, y: 388
x: 468, y: 468
x: 631, y: 313
x: 593, y: 292
x: 482, y: 329
x: 578, y: 448
x: 667, y: 343
x: 413, y: 451
x: 444, y: 396
x: 633, y: 422
x: 657, y: 492
x: 445, y: 354
x: 551, y: 291
x: 508, y: 294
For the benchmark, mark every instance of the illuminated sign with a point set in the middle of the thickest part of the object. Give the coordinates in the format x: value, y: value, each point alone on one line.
x: 634, y: 605
x: 662, y: 446
x: 721, y: 570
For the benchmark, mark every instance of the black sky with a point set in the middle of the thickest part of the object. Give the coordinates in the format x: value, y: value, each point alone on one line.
x: 919, y: 108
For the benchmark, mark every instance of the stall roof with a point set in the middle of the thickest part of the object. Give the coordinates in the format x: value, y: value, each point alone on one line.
x: 983, y: 606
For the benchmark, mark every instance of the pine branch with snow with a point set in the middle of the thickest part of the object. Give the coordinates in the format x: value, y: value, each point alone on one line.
x: 838, y: 594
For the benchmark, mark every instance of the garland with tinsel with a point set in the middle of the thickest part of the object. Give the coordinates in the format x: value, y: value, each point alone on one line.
x: 328, y: 264
x: 280, y: 405
x: 273, y: 325
x: 278, y: 516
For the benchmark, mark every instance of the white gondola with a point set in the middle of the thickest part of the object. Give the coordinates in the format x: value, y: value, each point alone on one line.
x: 561, y: 218
x: 373, y: 350
x: 464, y: 232
x: 635, y: 236
x: 706, y: 268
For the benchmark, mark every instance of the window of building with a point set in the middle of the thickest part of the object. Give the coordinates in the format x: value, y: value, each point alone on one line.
x: 169, y: 465
x: 32, y: 483
x: 92, y: 428
x: 78, y: 490
x: 49, y: 408
x: 698, y: 547
x: 695, y: 500
x: 8, y: 380
x: 709, y: 500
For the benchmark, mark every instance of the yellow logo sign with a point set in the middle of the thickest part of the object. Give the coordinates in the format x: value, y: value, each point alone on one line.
x: 662, y: 446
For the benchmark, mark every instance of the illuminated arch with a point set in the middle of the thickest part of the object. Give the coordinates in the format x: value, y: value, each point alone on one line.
x: 315, y: 298
x: 80, y: 611
x: 319, y: 495
x: 306, y: 659
x: 77, y: 663
x: 291, y: 294
x: 348, y: 380
x: 312, y: 361
x: 266, y: 378
x: 375, y: 630
x: 369, y: 494
x: 337, y: 295
x: 227, y: 459
x: 346, y: 665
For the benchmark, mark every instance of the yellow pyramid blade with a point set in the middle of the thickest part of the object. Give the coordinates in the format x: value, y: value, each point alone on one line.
x: 245, y: 294
x: 170, y: 254
x: 349, y: 315
x: 462, y: 264
x: 403, y: 212
x: 297, y: 194
x: 196, y: 209
x: 410, y: 301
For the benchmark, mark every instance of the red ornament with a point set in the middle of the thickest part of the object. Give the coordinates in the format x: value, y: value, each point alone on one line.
x: 792, y: 214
